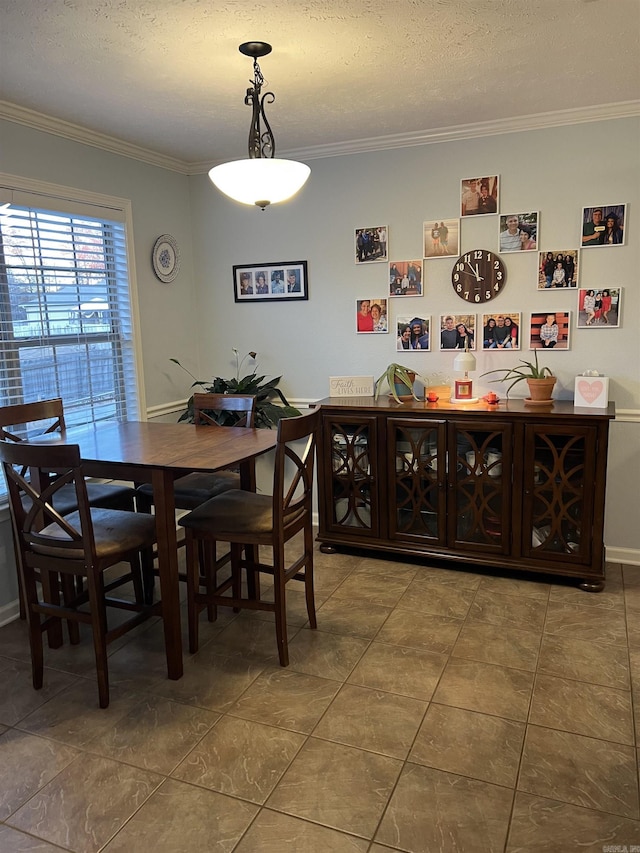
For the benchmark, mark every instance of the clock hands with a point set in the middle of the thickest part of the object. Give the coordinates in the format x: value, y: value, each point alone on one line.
x: 475, y: 272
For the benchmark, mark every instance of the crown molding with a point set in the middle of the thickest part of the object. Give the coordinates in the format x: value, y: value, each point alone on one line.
x: 520, y: 124
x: 77, y: 133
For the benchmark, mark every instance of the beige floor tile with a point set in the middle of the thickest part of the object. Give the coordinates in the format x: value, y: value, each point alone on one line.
x: 337, y: 786
x: 586, y: 709
x: 64, y: 812
x: 611, y: 597
x: 443, y: 599
x: 253, y: 638
x: 155, y: 735
x: 543, y: 825
x: 74, y: 716
x: 212, y: 679
x: 240, y: 758
x: 508, y: 611
x: 273, y: 832
x: 457, y: 578
x: 28, y: 763
x: 388, y: 567
x: 470, y: 744
x: 435, y: 811
x: 352, y: 617
x: 580, y: 770
x: 373, y: 720
x: 486, y: 688
x: 183, y: 817
x: 492, y: 644
x: 333, y: 656
x: 517, y: 586
x: 397, y: 669
x: 582, y: 622
x: 18, y: 697
x: 584, y: 660
x: 420, y: 631
x: 373, y: 587
x: 287, y: 699
x: 13, y: 841
x: 327, y: 577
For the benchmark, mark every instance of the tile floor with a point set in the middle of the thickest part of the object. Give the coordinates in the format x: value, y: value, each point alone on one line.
x: 433, y: 710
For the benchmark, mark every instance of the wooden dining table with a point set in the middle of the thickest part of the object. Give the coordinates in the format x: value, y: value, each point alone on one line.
x: 158, y: 453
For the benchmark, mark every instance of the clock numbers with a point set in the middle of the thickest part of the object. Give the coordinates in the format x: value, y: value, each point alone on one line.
x: 477, y: 255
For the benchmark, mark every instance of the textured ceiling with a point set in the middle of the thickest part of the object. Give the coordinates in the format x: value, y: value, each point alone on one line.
x: 166, y: 75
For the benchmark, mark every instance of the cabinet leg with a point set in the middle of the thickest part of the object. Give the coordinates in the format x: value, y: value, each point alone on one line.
x: 325, y: 548
x: 592, y: 586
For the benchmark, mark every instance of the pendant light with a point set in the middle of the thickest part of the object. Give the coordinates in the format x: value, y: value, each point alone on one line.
x: 262, y: 178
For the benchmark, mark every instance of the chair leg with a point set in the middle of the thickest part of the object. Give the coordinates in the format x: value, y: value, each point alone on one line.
x: 95, y: 584
x: 253, y: 575
x: 148, y: 577
x: 280, y: 601
x: 51, y: 594
x: 69, y: 593
x: 136, y: 578
x: 192, y: 558
x: 236, y: 572
x: 35, y: 633
x: 308, y: 578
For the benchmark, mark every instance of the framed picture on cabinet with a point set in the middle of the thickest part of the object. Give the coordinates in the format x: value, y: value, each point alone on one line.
x: 271, y: 282
x: 599, y: 309
x: 371, y: 244
x: 603, y: 225
x: 558, y: 270
x: 413, y: 334
x: 405, y: 278
x: 549, y: 330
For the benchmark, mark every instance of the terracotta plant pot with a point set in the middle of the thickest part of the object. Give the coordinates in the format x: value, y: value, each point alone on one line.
x: 541, y: 390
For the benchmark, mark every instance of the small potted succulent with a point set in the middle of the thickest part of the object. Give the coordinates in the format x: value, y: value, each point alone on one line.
x: 400, y: 380
x: 540, y: 380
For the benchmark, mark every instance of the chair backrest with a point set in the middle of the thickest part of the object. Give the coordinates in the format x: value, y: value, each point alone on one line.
x: 293, y: 471
x: 24, y: 414
x: 224, y: 409
x: 30, y: 516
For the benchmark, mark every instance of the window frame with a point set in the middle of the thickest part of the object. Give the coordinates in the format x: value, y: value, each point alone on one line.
x: 76, y: 202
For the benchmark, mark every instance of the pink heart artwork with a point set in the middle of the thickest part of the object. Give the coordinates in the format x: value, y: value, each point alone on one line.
x: 590, y: 390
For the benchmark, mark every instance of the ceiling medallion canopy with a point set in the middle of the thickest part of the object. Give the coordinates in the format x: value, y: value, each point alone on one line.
x: 262, y: 179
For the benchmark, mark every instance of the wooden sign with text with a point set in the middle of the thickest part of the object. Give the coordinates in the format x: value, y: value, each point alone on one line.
x: 351, y: 386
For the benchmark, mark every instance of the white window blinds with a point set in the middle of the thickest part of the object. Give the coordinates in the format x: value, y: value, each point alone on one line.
x: 65, y: 307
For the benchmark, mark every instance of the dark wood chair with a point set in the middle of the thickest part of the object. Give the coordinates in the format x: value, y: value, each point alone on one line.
x: 194, y: 489
x: 248, y: 520
x: 80, y: 545
x: 27, y: 420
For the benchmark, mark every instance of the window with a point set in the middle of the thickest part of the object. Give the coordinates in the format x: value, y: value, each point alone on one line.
x: 66, y: 318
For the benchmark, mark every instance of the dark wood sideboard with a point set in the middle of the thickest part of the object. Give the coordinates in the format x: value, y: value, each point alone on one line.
x: 508, y: 486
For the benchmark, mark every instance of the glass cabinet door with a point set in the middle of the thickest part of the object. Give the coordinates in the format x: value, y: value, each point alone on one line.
x: 558, y: 492
x: 480, y: 484
x: 416, y: 475
x: 352, y: 493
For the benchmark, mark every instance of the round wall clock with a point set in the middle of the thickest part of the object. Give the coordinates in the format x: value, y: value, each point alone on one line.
x: 165, y: 258
x: 478, y: 276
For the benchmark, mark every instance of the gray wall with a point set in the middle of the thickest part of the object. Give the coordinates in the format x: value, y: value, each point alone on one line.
x: 557, y: 171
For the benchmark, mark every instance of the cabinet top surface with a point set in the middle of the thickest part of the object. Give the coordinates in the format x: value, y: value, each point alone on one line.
x: 512, y: 407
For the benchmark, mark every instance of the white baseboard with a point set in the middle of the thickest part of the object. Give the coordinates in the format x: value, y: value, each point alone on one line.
x: 628, y: 556
x: 9, y: 612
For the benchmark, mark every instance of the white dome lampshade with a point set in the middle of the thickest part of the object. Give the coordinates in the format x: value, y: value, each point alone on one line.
x: 260, y: 181
x: 464, y: 363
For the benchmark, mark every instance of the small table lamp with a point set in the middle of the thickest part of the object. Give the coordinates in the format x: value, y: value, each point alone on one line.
x: 464, y: 363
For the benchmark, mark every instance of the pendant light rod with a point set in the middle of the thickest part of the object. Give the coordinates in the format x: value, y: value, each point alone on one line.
x: 261, y: 143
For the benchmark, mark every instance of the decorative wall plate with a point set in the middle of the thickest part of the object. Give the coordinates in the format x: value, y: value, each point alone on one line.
x: 165, y: 258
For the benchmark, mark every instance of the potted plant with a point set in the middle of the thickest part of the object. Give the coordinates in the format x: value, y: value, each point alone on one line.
x: 268, y: 412
x: 400, y: 380
x: 540, y: 380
